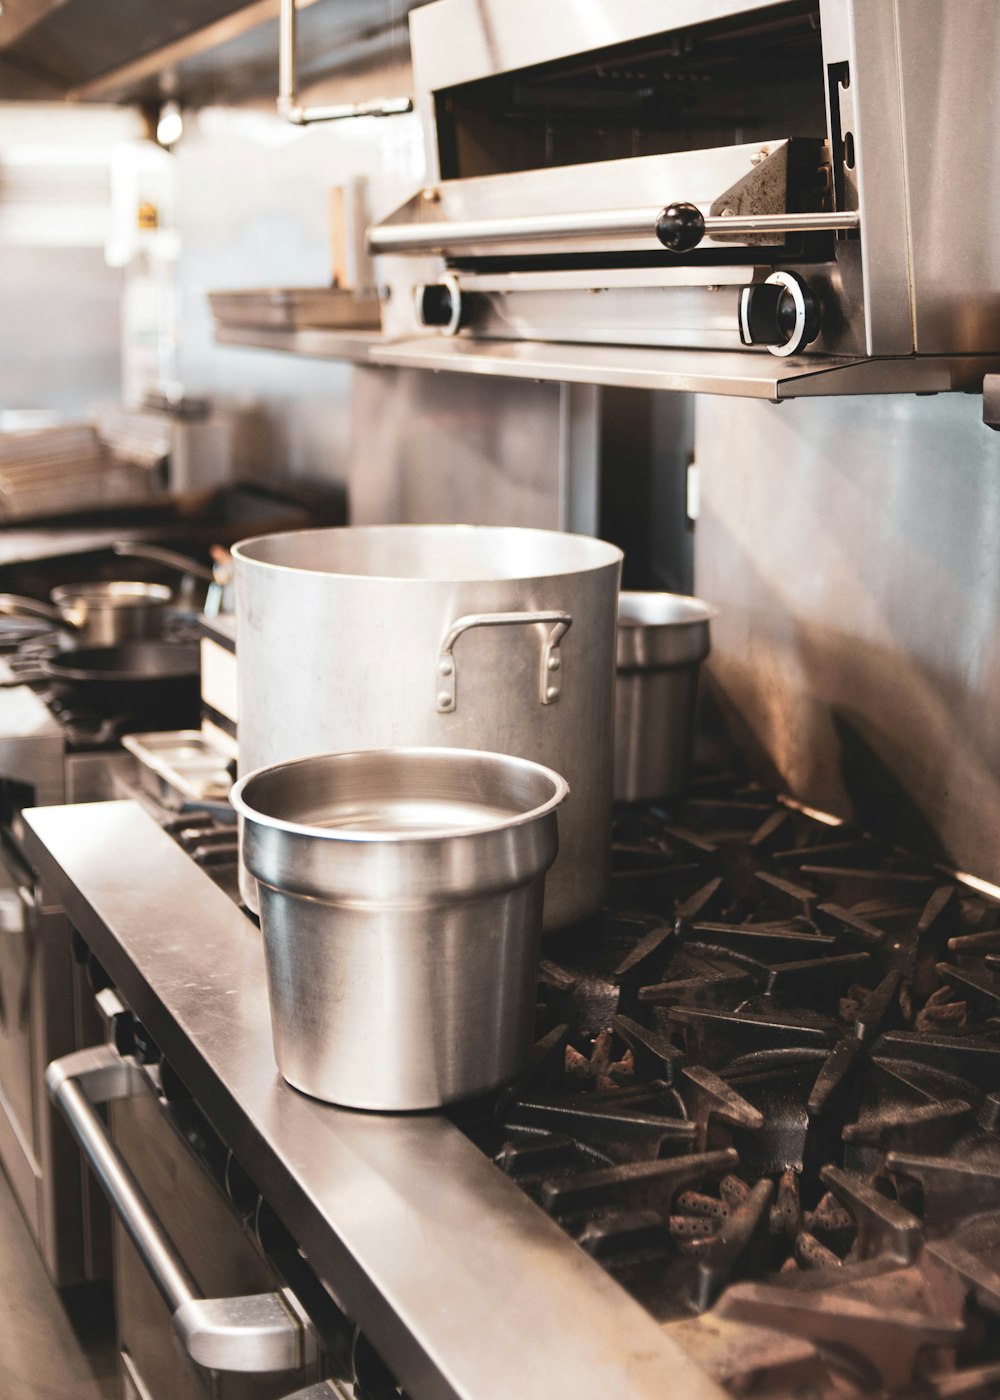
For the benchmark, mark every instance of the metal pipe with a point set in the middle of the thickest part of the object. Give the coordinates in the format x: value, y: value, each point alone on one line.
x: 288, y: 101
x: 444, y: 237
x: 287, y: 96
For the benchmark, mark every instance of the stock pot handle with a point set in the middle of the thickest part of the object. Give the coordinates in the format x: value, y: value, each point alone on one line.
x: 549, y: 678
x: 255, y: 1334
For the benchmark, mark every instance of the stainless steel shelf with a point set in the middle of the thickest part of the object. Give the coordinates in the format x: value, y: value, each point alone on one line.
x: 736, y: 373
x: 742, y: 374
x: 444, y: 1262
x: 354, y: 346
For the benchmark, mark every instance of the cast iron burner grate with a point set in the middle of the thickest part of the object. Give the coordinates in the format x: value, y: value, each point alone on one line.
x: 765, y: 1096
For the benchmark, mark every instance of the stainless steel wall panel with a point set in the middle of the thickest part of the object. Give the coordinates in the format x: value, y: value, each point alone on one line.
x: 253, y: 211
x: 429, y: 448
x: 869, y: 105
x: 59, y: 347
x: 949, y: 59
x: 851, y: 549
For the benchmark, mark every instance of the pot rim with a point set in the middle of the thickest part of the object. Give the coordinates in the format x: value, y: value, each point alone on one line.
x: 113, y: 593
x: 605, y: 555
x: 692, y: 611
x: 350, y: 836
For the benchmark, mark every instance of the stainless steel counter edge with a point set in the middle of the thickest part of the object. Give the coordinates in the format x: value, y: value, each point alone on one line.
x: 445, y: 1264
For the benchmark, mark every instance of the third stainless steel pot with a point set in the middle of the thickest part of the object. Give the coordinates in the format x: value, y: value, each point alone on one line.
x: 445, y: 636
x: 662, y: 640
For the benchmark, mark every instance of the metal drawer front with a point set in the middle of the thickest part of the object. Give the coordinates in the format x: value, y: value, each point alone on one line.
x: 181, y: 1343
x: 17, y: 961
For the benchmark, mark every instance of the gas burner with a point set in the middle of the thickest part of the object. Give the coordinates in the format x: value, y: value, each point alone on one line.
x: 766, y: 1097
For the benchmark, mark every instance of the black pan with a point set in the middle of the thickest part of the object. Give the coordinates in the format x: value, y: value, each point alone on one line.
x: 149, y: 679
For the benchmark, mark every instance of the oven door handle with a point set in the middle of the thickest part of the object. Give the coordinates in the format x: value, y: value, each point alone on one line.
x: 256, y: 1333
x: 679, y: 226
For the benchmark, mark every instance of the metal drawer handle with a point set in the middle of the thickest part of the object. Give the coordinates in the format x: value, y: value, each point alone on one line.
x: 257, y: 1333
x: 549, y: 678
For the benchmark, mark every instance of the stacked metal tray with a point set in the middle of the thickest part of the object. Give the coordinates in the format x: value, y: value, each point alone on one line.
x: 296, y: 308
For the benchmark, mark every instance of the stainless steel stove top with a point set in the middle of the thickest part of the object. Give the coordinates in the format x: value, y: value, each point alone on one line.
x: 763, y: 1100
x: 439, y: 1258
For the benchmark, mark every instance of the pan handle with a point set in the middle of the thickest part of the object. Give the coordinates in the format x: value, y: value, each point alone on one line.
x: 134, y: 549
x: 13, y: 605
x: 549, y: 685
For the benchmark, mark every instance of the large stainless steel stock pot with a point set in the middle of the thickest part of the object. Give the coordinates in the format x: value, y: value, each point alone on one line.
x: 445, y: 636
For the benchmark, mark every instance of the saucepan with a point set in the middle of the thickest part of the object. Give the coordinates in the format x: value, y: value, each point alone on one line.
x: 106, y: 613
x: 117, y: 611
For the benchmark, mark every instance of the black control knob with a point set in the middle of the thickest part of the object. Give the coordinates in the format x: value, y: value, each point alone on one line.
x: 172, y: 1086
x: 239, y: 1188
x: 680, y: 227
x: 439, y: 304
x: 144, y: 1047
x: 782, y: 313
x: 272, y: 1235
x: 122, y: 1032
x: 371, y: 1376
x: 96, y: 976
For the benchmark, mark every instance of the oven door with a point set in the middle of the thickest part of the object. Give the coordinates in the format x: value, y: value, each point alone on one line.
x: 19, y: 1074
x: 36, y: 1024
x: 200, y: 1313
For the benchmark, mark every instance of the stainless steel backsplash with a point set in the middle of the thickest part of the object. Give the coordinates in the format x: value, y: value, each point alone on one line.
x: 851, y: 544
x: 852, y: 548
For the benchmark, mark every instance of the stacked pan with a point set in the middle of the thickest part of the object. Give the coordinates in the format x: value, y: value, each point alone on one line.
x: 112, y: 655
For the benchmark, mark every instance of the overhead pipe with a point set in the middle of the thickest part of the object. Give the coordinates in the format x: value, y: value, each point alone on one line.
x: 288, y: 101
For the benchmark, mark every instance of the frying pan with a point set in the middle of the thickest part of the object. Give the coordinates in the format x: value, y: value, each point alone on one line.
x: 154, y: 681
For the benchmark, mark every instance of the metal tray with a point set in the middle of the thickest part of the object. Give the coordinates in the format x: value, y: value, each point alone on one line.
x: 180, y: 766
x: 296, y: 308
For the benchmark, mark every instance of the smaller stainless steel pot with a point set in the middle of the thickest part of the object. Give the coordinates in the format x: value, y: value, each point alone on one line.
x: 401, y: 906
x: 99, y: 614
x: 662, y: 640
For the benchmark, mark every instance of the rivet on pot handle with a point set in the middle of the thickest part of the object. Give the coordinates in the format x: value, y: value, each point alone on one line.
x: 549, y: 677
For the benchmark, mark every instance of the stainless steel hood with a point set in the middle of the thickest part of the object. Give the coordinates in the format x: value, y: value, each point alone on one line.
x: 616, y: 202
x: 65, y: 43
x: 194, y: 50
